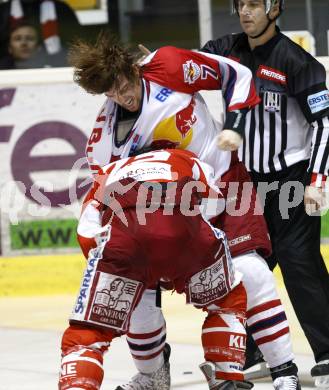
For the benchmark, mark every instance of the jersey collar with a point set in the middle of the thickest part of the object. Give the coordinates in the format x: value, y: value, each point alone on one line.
x: 262, y: 51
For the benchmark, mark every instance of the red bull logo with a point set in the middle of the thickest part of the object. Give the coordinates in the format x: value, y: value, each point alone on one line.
x: 191, y: 72
x: 185, y: 118
x: 177, y: 130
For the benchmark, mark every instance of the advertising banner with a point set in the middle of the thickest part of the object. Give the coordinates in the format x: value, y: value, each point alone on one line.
x: 44, y: 128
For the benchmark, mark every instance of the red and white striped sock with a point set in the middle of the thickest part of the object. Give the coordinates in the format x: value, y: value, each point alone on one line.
x: 270, y: 329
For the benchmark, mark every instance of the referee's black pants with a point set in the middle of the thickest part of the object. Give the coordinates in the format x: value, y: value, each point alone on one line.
x: 296, y: 249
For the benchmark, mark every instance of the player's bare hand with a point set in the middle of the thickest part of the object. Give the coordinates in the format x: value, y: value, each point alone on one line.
x: 145, y: 52
x: 314, y: 200
x: 229, y: 140
x: 144, y: 49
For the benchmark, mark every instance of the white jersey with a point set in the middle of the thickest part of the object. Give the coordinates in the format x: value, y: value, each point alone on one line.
x: 173, y: 114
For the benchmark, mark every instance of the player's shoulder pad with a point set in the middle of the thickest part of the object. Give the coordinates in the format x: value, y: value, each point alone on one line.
x: 169, y: 57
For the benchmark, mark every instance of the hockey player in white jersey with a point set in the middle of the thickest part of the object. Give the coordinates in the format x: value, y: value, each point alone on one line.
x: 157, y: 105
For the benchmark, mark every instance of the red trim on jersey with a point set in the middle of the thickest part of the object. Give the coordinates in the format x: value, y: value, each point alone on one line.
x: 253, y: 100
x: 114, y: 158
x: 95, y: 168
x: 86, y: 244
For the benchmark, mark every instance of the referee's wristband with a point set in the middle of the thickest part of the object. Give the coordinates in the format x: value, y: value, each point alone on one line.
x: 236, y: 121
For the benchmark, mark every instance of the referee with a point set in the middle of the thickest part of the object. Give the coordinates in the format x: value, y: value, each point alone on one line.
x: 286, y: 140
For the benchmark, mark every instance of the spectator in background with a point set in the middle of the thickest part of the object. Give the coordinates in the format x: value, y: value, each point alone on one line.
x: 25, y: 50
x: 23, y: 42
x: 49, y: 15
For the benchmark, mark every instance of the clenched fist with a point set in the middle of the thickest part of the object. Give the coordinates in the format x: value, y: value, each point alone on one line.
x: 315, y: 200
x: 229, y: 140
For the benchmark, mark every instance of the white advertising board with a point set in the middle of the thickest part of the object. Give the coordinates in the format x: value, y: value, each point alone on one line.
x: 45, y: 120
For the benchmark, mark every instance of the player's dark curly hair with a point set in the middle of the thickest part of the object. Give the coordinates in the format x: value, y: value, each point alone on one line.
x: 97, y: 66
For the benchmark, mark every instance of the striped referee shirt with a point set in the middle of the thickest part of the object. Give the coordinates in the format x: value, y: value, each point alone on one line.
x: 291, y: 124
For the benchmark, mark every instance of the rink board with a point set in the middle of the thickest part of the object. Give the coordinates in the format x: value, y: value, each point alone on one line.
x: 57, y: 274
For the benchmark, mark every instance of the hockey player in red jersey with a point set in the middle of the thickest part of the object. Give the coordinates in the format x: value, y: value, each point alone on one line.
x: 131, y: 254
x: 157, y: 104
